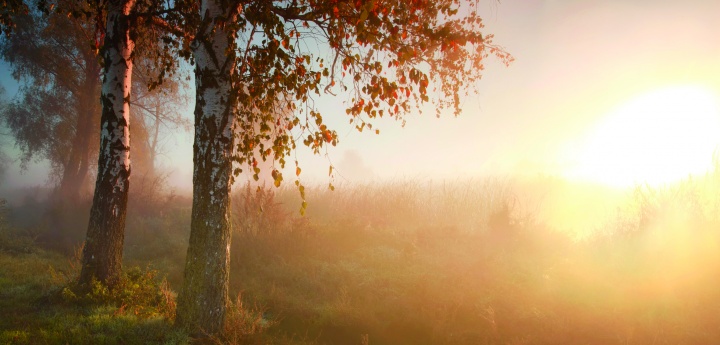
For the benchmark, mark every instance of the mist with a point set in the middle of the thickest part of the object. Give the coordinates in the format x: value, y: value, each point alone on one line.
x: 576, y: 199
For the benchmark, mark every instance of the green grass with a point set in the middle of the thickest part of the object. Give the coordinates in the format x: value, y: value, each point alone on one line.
x: 36, y: 311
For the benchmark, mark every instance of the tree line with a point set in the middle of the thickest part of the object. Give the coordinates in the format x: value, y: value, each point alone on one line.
x: 91, y: 66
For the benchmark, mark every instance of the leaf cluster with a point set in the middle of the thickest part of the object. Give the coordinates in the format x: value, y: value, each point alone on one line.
x: 8, y: 10
x: 390, y: 56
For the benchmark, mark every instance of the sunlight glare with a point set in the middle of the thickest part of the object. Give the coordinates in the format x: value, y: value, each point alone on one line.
x: 658, y: 137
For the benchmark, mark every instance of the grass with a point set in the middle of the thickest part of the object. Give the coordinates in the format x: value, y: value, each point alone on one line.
x: 35, y: 310
x: 410, y: 262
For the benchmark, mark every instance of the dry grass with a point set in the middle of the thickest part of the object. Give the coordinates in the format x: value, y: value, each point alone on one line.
x: 463, y: 262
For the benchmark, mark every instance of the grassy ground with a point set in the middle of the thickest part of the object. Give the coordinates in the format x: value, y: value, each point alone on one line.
x: 402, y: 263
x: 36, y: 311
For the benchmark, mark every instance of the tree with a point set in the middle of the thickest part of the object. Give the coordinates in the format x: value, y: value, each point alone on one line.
x: 156, y: 107
x: 4, y: 159
x: 102, y: 254
x: 115, y: 27
x: 124, y: 25
x: 256, y: 59
x: 201, y: 304
x: 112, y: 27
x: 56, y: 115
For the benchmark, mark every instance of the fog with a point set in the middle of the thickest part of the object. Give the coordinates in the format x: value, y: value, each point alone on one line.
x: 576, y: 199
x: 575, y: 63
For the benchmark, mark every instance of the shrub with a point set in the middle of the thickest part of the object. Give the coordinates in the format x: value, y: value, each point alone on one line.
x: 138, y: 291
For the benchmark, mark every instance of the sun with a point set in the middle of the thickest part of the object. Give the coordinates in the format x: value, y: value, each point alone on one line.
x: 655, y: 138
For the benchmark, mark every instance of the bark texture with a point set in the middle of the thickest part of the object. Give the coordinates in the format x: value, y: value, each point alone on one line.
x: 102, y: 255
x: 203, y: 299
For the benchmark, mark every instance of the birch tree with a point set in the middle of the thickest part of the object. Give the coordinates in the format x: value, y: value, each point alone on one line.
x: 125, y: 22
x: 115, y: 26
x: 102, y: 253
x: 255, y: 60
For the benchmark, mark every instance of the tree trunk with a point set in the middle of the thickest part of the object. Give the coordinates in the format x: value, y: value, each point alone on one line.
x: 91, y: 121
x: 75, y: 170
x: 203, y: 298
x: 68, y: 191
x: 153, y: 142
x: 102, y: 255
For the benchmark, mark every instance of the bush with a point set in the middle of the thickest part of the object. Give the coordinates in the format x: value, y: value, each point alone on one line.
x: 138, y: 291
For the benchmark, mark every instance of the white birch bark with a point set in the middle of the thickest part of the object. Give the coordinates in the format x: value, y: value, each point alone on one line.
x: 203, y: 298
x: 102, y: 254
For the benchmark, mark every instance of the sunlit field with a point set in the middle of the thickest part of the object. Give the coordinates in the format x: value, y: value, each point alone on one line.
x: 495, y: 260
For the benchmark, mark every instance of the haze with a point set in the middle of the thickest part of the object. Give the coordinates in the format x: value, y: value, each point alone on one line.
x: 577, y: 65
x: 575, y: 200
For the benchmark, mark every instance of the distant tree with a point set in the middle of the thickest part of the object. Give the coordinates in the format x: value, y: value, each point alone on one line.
x: 4, y: 159
x: 254, y: 60
x: 156, y: 109
x: 55, y: 115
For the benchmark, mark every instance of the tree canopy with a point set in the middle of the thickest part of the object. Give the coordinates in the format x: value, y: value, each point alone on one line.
x: 55, y: 114
x: 390, y: 57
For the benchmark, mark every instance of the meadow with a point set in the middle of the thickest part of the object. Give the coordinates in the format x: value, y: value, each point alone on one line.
x: 486, y: 261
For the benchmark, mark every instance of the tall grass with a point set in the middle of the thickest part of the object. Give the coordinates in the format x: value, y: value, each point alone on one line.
x: 476, y: 262
x: 485, y: 261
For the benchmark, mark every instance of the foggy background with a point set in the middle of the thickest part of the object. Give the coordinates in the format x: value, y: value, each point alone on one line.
x: 576, y: 61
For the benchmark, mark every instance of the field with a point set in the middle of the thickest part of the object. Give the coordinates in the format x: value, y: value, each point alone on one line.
x: 487, y: 261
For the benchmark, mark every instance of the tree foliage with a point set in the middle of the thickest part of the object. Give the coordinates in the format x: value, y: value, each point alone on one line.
x: 390, y: 57
x: 8, y: 10
x: 55, y: 114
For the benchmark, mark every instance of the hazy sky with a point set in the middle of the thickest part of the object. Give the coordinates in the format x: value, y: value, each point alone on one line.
x: 582, y: 70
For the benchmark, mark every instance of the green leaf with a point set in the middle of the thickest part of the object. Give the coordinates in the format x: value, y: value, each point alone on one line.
x: 303, y: 208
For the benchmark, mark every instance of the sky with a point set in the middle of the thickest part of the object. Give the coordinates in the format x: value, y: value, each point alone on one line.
x: 608, y: 91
